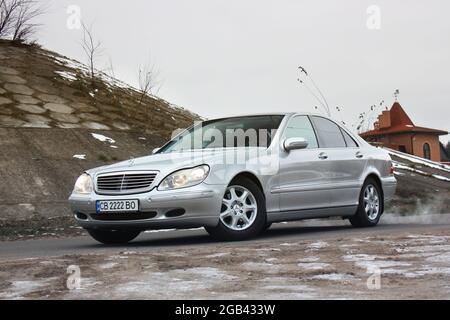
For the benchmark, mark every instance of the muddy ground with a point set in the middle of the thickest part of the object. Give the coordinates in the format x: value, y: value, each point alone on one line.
x: 330, y: 264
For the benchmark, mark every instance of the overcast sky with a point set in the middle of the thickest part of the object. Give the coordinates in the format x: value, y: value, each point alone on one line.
x: 220, y: 58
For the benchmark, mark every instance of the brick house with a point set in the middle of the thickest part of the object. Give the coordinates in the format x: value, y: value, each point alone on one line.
x: 394, y: 129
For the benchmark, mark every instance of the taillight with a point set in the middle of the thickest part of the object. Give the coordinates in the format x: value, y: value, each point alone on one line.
x: 391, y: 170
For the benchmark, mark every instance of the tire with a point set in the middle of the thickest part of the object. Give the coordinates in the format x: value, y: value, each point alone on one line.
x: 113, y: 236
x: 232, y: 224
x: 371, y: 205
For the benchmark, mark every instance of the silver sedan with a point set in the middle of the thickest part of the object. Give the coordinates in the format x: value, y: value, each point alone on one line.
x: 235, y: 177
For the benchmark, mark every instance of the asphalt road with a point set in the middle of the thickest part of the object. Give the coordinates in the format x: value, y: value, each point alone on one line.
x: 173, y: 239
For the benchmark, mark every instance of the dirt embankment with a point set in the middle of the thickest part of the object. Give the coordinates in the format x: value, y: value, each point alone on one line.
x: 49, y: 108
x: 421, y: 189
x: 38, y: 170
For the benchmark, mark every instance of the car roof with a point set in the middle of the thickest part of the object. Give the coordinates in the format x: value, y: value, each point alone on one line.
x: 271, y: 114
x: 253, y: 115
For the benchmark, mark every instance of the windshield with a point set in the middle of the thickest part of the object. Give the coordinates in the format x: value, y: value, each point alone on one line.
x: 250, y: 131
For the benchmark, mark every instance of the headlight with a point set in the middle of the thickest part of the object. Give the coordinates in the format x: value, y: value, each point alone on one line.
x: 83, y: 184
x: 184, y: 178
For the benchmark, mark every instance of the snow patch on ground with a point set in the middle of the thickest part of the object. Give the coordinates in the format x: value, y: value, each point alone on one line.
x: 312, y: 265
x: 261, y: 266
x: 67, y: 75
x: 370, y: 262
x: 317, y: 245
x: 218, y: 255
x: 334, y: 277
x: 103, y: 138
x: 80, y: 156
x: 309, y: 259
x: 108, y: 265
x: 156, y: 285
x: 20, y: 288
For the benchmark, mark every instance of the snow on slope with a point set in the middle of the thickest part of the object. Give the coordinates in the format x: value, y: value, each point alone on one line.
x: 419, y: 166
x: 418, y: 160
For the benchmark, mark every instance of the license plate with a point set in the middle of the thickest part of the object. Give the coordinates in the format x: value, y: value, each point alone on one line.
x: 117, y: 205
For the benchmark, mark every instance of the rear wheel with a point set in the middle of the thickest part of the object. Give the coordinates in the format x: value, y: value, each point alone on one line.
x: 243, y: 212
x: 370, y: 205
x: 113, y: 236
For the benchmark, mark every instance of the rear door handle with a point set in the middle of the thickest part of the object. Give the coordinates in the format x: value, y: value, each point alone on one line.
x: 323, y: 156
x: 359, y: 155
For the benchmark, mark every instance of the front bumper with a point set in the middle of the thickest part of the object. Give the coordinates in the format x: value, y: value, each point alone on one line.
x: 195, y: 206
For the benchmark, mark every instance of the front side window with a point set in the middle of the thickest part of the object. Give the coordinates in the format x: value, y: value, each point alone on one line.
x: 251, y: 131
x: 301, y: 127
x: 329, y: 133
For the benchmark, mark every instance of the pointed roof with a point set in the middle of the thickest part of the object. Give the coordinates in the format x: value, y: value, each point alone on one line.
x: 399, y: 116
x: 401, y: 123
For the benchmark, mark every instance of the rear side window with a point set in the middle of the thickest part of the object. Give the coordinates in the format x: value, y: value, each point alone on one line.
x: 329, y: 133
x: 351, y: 143
x: 301, y: 127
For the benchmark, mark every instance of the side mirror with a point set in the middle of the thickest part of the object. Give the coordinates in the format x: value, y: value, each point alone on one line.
x: 155, y: 150
x: 295, y: 143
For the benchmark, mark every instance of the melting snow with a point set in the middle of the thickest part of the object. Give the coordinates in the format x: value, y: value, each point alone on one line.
x: 67, y: 75
x: 309, y: 259
x: 80, y: 156
x: 313, y: 265
x: 407, y: 168
x: 334, y: 277
x: 318, y: 245
x: 20, y: 288
x: 418, y: 160
x: 103, y: 138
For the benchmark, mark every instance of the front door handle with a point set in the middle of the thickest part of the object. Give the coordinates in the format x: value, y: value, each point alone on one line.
x: 323, y: 156
x: 359, y: 155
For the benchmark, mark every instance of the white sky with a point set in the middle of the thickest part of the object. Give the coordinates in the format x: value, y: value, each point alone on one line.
x: 220, y: 58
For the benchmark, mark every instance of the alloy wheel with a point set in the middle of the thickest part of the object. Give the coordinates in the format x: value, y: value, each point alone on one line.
x: 371, y: 202
x: 239, y: 208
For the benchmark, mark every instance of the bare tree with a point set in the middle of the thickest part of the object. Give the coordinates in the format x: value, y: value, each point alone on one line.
x: 24, y: 26
x: 148, y: 80
x: 17, y: 18
x: 7, y: 10
x: 92, y: 48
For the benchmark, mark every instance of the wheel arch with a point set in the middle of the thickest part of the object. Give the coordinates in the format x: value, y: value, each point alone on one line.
x: 251, y: 176
x: 377, y: 179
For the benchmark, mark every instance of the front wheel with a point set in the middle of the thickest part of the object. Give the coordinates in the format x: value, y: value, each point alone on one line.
x: 370, y: 205
x: 243, y: 212
x: 113, y: 236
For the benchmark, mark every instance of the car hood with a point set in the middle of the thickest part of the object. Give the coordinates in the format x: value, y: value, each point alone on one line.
x: 169, y: 162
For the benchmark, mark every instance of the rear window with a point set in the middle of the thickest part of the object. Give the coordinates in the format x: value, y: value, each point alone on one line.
x: 328, y: 133
x: 351, y: 143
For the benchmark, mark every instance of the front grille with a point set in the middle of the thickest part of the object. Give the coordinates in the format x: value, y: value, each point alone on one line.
x: 125, y: 182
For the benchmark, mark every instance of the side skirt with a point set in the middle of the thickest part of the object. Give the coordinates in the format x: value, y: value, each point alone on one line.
x: 344, y: 211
